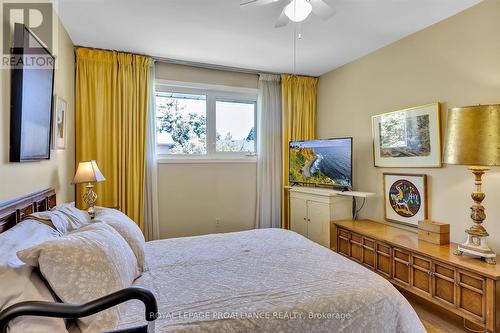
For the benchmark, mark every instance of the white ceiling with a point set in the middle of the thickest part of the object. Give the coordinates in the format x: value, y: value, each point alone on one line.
x: 219, y: 32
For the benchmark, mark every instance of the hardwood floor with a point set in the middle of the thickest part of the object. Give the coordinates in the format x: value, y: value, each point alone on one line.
x: 434, y: 318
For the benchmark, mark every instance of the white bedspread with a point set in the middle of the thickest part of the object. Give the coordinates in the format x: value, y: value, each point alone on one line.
x: 268, y: 280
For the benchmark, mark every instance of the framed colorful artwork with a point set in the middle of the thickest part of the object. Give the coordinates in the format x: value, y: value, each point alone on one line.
x: 59, y: 130
x: 409, y: 138
x: 405, y: 198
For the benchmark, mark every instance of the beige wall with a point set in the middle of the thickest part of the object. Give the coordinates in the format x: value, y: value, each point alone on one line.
x: 17, y: 179
x: 175, y: 72
x: 456, y: 62
x: 193, y: 196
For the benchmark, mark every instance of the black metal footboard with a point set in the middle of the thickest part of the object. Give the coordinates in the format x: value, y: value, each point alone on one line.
x: 73, y: 311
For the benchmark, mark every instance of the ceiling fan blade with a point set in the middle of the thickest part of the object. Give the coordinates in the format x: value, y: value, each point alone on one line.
x: 252, y: 3
x: 282, y: 20
x: 322, y: 9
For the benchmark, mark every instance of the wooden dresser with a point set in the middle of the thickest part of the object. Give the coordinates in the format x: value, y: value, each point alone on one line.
x: 465, y: 286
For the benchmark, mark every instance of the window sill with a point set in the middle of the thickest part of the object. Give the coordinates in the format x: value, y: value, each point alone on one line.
x: 205, y: 159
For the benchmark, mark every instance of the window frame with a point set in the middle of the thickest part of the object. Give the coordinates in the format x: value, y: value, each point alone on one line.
x: 213, y: 94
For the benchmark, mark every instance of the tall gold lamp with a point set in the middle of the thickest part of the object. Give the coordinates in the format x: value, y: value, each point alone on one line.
x: 88, y: 172
x: 473, y: 139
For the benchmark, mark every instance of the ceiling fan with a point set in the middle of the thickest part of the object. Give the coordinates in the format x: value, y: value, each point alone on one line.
x: 295, y: 10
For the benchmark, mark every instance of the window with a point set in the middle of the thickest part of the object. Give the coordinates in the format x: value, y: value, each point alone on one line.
x: 235, y: 126
x: 205, y: 123
x: 181, y: 123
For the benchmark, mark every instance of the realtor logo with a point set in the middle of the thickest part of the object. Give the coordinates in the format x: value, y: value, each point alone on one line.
x: 37, y: 18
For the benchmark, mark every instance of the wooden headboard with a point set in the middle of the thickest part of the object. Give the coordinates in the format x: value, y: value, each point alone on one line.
x: 13, y: 211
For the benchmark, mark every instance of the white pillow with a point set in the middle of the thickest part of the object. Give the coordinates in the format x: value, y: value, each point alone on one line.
x: 64, y: 217
x: 81, y: 266
x: 37, y: 290
x: 127, y: 228
x: 60, y: 221
x: 19, y: 282
x: 77, y: 217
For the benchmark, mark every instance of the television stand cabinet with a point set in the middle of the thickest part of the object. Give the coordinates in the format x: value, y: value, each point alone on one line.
x: 465, y: 286
x: 312, y: 209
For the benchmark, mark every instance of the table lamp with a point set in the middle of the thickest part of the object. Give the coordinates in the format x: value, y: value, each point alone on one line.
x: 473, y: 139
x: 88, y: 172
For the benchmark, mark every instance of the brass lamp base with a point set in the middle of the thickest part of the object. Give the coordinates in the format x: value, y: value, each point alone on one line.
x: 90, y: 197
x: 477, y: 234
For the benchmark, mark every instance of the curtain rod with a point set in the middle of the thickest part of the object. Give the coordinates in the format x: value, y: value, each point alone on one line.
x: 111, y: 50
x: 189, y: 63
x: 221, y: 67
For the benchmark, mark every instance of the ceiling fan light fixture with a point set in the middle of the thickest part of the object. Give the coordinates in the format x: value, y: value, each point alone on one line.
x: 298, y: 10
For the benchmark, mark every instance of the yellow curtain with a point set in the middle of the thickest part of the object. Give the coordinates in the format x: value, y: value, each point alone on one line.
x: 111, y: 114
x: 299, y: 122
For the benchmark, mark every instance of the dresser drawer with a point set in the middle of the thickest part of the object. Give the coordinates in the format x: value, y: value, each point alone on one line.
x: 471, y: 294
x: 383, y: 264
x: 443, y: 284
x: 343, y: 245
x: 368, y: 243
x: 421, y: 275
x: 356, y: 247
x: 343, y: 233
x: 356, y: 238
x: 369, y: 254
x: 401, y: 266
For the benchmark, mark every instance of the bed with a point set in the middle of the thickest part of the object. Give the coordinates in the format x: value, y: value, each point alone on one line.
x: 267, y: 280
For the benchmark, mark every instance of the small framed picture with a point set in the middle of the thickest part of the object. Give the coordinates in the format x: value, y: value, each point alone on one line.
x: 405, y: 198
x: 409, y: 138
x: 59, y: 130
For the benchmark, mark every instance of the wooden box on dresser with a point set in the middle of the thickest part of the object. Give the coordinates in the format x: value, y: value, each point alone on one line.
x: 465, y: 286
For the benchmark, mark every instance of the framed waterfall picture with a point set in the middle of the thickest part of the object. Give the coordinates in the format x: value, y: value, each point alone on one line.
x: 409, y: 138
x: 405, y: 198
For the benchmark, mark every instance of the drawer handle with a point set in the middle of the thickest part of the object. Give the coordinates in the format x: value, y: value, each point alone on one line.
x: 431, y: 273
x: 457, y: 283
x: 408, y: 264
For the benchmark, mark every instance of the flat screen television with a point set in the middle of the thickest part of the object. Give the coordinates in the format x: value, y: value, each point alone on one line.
x: 32, y: 82
x: 321, y: 162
